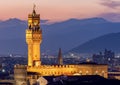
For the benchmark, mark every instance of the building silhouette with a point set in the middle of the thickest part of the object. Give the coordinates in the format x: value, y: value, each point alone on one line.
x: 107, y: 57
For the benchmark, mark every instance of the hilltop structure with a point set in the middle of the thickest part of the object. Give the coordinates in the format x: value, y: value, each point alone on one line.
x: 35, y: 69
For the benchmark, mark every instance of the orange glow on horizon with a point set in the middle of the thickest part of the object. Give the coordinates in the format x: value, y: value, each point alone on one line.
x: 53, y: 10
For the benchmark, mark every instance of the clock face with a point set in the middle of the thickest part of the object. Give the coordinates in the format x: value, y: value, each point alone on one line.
x: 35, y: 23
x: 30, y: 21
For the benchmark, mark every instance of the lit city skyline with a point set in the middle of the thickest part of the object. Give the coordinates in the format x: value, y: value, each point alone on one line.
x: 38, y: 47
x: 58, y: 10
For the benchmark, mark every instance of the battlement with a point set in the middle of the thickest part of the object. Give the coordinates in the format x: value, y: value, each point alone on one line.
x: 67, y: 66
x: 31, y: 31
x: 17, y: 66
x: 53, y: 66
x: 82, y: 69
x: 31, y: 16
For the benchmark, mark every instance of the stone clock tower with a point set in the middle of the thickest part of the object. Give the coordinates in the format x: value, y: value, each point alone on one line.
x: 34, y: 39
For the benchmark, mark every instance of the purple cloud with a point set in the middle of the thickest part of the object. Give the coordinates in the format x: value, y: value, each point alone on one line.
x: 110, y: 3
x: 114, y: 17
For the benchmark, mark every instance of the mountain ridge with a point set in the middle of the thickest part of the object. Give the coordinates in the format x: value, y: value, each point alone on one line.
x: 66, y: 35
x: 109, y: 41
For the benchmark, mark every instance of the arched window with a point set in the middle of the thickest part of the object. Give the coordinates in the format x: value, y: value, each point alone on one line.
x: 80, y: 72
x: 103, y: 72
x: 87, y: 72
x: 96, y: 72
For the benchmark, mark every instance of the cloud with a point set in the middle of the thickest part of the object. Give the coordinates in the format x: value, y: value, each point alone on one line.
x: 110, y: 3
x: 114, y: 17
x: 44, y: 21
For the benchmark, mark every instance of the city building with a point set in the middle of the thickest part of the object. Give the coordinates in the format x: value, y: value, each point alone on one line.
x: 107, y: 57
x: 24, y: 74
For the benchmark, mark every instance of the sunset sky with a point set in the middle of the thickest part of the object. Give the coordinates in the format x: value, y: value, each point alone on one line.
x: 57, y: 10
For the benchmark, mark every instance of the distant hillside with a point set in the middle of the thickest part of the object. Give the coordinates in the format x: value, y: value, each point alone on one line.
x: 73, y: 32
x: 110, y: 41
x: 67, y: 34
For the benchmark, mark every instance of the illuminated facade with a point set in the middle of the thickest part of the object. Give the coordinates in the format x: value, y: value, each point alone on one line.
x: 34, y: 39
x: 35, y: 69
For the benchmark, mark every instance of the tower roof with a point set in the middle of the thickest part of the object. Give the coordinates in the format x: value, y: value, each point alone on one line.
x: 34, y: 12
